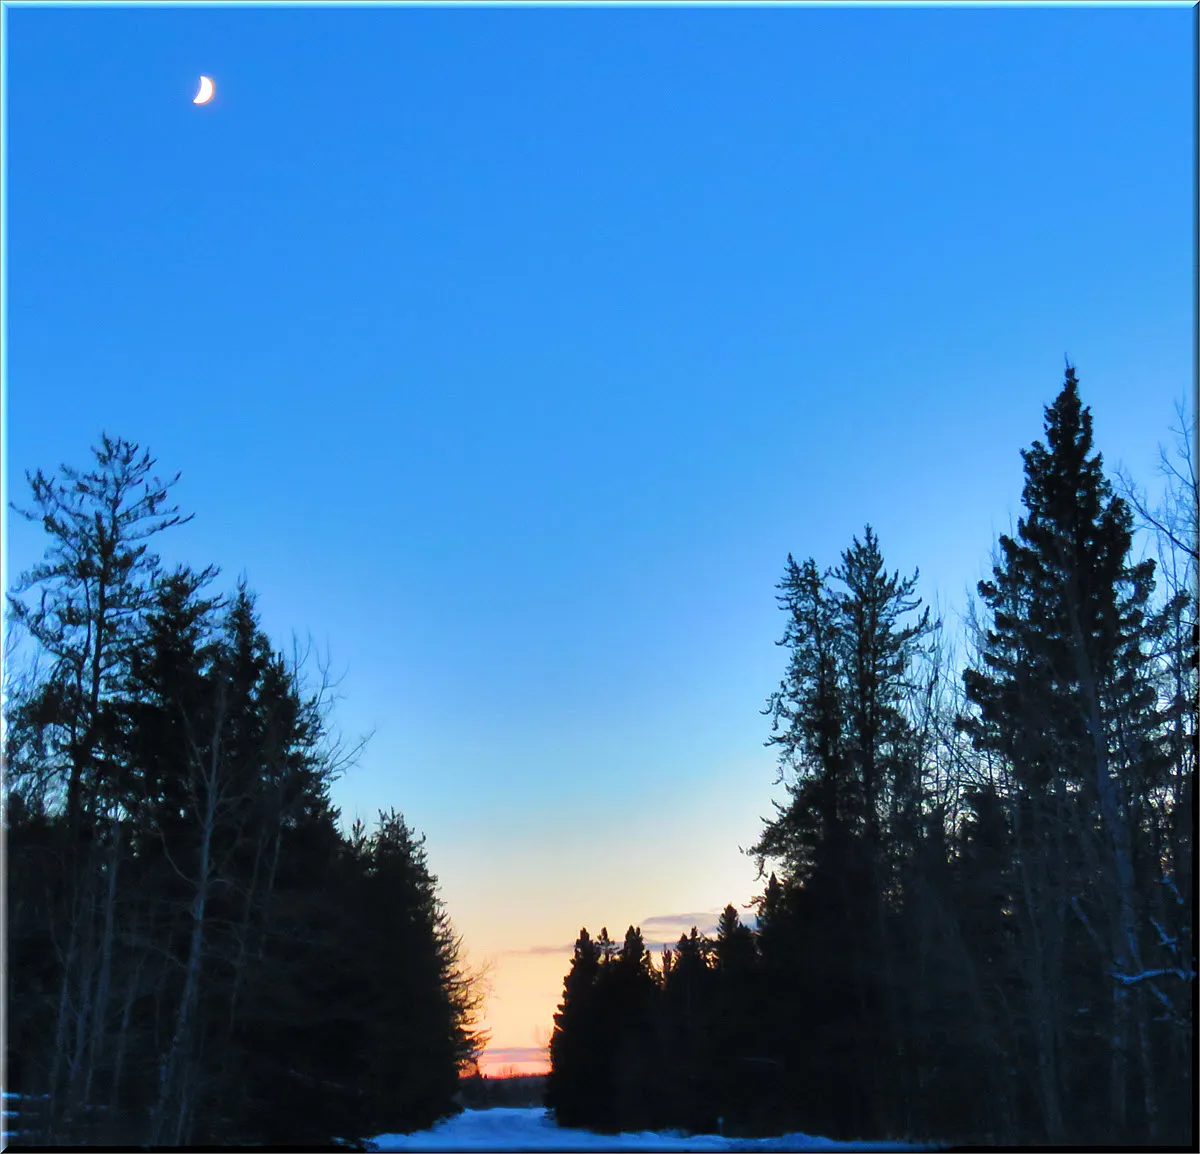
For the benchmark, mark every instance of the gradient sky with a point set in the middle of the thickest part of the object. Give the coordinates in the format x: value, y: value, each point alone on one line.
x: 508, y: 352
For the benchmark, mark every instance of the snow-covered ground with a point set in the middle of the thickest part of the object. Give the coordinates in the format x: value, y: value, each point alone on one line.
x: 531, y: 1129
x: 508, y: 1129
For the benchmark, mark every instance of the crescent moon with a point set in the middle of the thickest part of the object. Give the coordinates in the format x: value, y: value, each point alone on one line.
x: 206, y: 91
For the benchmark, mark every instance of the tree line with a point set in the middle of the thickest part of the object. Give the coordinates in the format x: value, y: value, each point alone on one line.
x: 977, y: 925
x: 196, y: 952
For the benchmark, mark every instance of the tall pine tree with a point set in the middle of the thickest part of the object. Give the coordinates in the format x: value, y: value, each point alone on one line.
x: 1067, y: 698
x: 574, y: 1057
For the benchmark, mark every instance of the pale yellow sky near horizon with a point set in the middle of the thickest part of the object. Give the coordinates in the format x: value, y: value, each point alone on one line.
x: 525, y: 989
x: 519, y: 923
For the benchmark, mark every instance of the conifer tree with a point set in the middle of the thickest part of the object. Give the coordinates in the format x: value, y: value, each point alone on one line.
x: 851, y: 829
x: 740, y: 1058
x: 198, y: 955
x: 628, y: 991
x: 570, y: 1085
x: 1067, y: 698
x: 686, y: 1037
x: 96, y: 581
x: 807, y: 725
x: 94, y: 586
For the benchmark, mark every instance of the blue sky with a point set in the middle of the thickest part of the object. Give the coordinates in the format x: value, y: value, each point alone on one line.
x: 508, y: 352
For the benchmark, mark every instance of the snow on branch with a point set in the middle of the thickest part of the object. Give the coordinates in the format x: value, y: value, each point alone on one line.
x: 1145, y: 975
x: 1169, y: 882
x: 1165, y: 939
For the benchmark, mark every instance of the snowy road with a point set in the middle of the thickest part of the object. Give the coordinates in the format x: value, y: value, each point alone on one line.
x: 530, y: 1129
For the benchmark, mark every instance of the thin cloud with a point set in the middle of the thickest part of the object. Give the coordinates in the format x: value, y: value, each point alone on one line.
x: 496, y: 1054
x: 539, y: 951
x: 667, y: 920
x: 658, y: 932
x: 663, y: 925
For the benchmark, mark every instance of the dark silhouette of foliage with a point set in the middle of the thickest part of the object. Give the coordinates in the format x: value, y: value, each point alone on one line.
x: 572, y: 1085
x: 198, y: 953
x: 979, y: 925
x: 1069, y: 696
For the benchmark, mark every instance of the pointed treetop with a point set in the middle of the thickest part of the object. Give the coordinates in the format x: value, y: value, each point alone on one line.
x: 633, y: 951
x: 729, y: 924
x: 606, y: 947
x: 587, y: 952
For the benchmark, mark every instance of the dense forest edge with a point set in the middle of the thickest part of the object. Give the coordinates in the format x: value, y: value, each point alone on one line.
x: 196, y: 953
x: 976, y: 924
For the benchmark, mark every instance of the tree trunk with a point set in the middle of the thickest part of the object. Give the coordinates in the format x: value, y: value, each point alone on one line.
x: 1125, y: 947
x: 126, y: 1012
x: 181, y: 1035
x: 1041, y: 1010
x: 99, y: 1015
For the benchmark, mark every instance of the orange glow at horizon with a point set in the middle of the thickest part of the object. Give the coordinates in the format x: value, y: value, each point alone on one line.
x: 503, y: 1068
x: 524, y: 992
